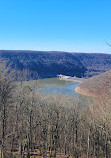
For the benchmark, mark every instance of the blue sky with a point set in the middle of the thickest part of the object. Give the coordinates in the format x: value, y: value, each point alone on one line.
x: 62, y: 25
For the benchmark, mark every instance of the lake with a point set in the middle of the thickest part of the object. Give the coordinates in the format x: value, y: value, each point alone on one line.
x: 56, y: 86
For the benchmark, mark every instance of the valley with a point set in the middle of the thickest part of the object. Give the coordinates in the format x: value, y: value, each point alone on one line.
x: 45, y: 116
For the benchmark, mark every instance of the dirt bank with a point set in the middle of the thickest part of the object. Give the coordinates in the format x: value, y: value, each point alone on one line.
x: 83, y: 91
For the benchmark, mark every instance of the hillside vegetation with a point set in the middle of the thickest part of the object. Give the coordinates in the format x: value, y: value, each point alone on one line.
x: 95, y: 63
x: 43, y: 64
x: 32, y: 64
x: 44, y: 126
x: 99, y: 85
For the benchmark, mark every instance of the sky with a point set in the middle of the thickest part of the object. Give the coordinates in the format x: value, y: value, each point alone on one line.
x: 56, y: 25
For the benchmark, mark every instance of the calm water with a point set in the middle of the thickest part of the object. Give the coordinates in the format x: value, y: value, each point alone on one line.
x: 55, y: 86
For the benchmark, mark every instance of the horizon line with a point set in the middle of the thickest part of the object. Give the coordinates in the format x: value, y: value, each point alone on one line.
x: 53, y: 51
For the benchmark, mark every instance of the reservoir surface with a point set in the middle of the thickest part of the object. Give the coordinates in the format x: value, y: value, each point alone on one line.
x: 55, y: 86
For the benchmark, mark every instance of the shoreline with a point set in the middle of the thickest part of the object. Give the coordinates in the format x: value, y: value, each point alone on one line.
x: 82, y: 92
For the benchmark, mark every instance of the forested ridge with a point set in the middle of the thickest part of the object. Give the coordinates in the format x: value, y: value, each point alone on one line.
x: 45, y: 64
x: 96, y: 63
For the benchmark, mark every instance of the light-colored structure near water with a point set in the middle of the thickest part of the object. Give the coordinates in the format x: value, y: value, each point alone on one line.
x: 69, y: 78
x: 63, y: 76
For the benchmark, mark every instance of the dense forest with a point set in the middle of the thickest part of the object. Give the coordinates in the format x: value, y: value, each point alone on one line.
x: 95, y: 63
x: 44, y: 64
x: 45, y: 126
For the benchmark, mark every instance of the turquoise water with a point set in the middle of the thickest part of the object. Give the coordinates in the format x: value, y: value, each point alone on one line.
x: 55, y: 86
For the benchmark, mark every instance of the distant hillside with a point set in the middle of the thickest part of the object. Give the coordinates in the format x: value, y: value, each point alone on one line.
x: 49, y: 64
x: 43, y: 64
x: 99, y: 85
x: 95, y: 63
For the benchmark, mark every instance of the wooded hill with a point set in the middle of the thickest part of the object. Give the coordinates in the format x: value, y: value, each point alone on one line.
x: 99, y: 85
x: 43, y: 64
x: 50, y: 64
x: 95, y: 63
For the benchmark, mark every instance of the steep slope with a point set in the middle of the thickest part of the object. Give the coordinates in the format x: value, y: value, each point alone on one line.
x: 95, y: 63
x: 45, y: 64
x: 99, y: 85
